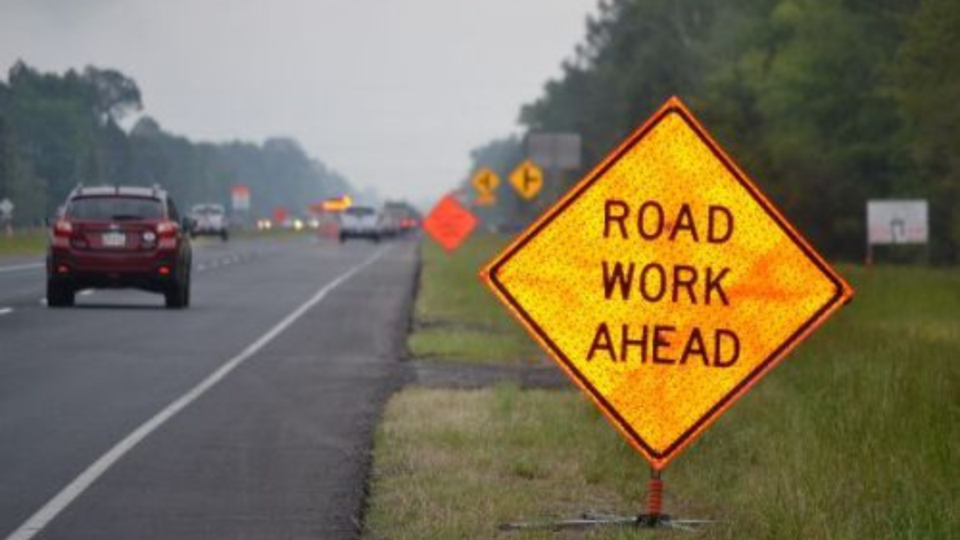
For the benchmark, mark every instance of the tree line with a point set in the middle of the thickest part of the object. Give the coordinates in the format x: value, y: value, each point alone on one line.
x: 826, y: 104
x: 60, y: 130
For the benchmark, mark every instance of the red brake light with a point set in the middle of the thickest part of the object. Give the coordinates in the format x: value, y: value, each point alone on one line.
x: 62, y: 228
x: 167, y: 233
x: 166, y: 229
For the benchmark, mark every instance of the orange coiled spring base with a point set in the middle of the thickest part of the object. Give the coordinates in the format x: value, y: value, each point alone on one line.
x: 655, y: 498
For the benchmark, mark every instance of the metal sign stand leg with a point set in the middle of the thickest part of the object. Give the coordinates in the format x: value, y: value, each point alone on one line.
x: 652, y: 518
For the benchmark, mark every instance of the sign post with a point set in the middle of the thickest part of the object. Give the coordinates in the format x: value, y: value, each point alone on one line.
x: 6, y: 216
x: 240, y: 204
x: 240, y: 198
x: 665, y: 285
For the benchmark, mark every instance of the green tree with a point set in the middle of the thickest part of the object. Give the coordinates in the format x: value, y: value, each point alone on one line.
x: 925, y: 81
x: 827, y: 104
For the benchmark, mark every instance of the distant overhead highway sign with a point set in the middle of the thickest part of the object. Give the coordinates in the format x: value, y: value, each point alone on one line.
x: 554, y: 150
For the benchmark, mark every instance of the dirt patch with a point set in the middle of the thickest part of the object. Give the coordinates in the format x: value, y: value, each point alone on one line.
x: 439, y: 374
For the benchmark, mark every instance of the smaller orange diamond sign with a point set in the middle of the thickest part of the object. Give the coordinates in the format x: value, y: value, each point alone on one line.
x: 665, y: 284
x: 449, y: 223
x: 527, y: 179
x: 486, y: 182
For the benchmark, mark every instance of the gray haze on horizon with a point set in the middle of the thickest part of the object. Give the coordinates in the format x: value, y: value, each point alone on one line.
x: 393, y: 94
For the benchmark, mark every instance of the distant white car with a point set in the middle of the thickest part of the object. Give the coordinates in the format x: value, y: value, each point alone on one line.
x: 360, y: 222
x: 209, y: 220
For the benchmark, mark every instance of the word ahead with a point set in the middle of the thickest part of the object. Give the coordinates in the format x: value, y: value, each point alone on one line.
x: 665, y: 284
x: 675, y: 283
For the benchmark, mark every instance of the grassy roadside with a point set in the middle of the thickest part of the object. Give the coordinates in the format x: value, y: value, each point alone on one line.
x: 33, y: 242
x: 456, y: 318
x: 856, y: 435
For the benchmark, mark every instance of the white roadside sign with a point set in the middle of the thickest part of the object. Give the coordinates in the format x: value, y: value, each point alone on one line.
x: 897, y: 222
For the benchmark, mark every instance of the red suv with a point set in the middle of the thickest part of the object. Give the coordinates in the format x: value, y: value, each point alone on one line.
x: 119, y: 237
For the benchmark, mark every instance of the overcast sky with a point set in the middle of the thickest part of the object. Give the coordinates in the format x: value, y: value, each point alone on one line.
x: 392, y: 93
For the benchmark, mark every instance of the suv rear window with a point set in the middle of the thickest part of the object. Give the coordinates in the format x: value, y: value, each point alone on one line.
x: 114, y: 208
x: 208, y: 210
x: 360, y: 211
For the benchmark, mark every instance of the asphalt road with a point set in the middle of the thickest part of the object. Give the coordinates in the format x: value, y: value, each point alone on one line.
x: 247, y: 416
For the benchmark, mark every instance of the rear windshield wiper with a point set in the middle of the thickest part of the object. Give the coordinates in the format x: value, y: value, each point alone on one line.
x: 125, y: 217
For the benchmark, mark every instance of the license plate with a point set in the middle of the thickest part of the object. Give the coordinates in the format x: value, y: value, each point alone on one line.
x: 114, y: 239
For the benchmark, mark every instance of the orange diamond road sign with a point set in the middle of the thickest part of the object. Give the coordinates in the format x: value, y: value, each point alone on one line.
x: 449, y: 223
x: 665, y: 284
x: 527, y: 179
x: 485, y: 182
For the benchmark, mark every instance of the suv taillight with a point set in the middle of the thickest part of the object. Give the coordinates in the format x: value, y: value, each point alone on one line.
x: 166, y: 229
x: 167, y: 232
x: 62, y: 229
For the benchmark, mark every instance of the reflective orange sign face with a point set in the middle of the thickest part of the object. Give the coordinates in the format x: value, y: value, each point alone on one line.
x: 665, y: 284
x: 338, y: 204
x: 527, y: 179
x: 449, y: 223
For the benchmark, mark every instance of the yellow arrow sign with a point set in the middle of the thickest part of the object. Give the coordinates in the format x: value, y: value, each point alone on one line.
x: 527, y: 179
x: 485, y: 182
x: 665, y: 284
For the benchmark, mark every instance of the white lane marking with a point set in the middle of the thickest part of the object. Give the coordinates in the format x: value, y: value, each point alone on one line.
x: 42, y: 517
x: 18, y: 267
x: 43, y: 301
x: 86, y: 292
x: 6, y: 310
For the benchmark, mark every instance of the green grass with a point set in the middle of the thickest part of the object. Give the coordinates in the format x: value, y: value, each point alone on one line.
x: 33, y: 242
x: 856, y: 435
x: 456, y: 317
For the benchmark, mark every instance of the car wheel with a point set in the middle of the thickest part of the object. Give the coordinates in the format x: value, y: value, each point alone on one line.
x: 186, y: 293
x: 177, y: 295
x: 59, y: 294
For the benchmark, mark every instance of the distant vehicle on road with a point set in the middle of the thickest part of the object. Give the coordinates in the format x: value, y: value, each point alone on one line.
x: 209, y: 220
x: 389, y: 222
x: 399, y: 218
x: 119, y: 237
x: 360, y: 222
